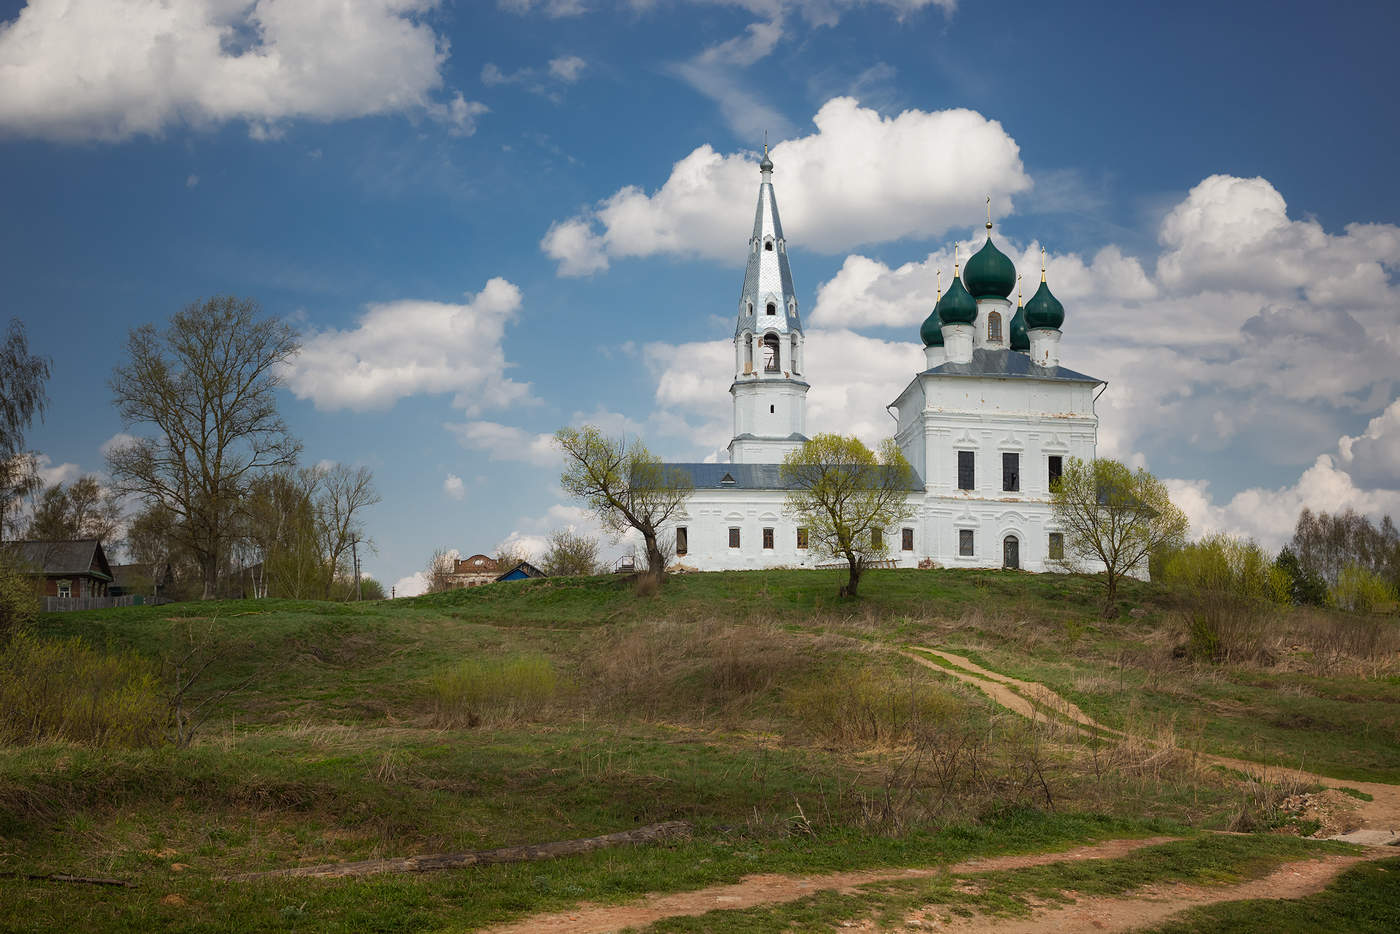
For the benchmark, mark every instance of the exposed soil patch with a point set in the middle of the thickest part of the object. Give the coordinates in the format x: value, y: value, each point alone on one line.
x: 1150, y: 905
x: 771, y: 888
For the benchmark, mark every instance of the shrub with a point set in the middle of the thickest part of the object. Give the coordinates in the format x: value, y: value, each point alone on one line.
x: 1221, y: 565
x: 1362, y: 590
x: 870, y: 707
x: 65, y: 690
x: 497, y: 689
x: 1229, y: 586
x: 19, y: 600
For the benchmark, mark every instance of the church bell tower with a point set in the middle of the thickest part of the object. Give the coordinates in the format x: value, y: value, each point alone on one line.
x: 769, y: 389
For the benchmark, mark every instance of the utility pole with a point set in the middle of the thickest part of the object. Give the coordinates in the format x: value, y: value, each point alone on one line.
x: 355, y: 556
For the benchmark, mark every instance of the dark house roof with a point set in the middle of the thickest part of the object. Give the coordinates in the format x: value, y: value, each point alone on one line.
x: 53, y: 559
x: 1008, y: 364
x: 750, y: 477
x: 521, y: 571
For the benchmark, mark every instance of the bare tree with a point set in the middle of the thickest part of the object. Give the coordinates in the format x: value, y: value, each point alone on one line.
x: 439, y: 571
x: 345, y: 492
x: 22, y: 396
x: 624, y: 485
x: 83, y: 509
x: 207, y: 385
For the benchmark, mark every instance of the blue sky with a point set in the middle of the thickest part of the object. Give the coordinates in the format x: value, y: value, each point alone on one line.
x: 493, y: 219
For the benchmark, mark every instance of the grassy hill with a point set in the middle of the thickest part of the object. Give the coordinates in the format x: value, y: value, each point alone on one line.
x: 783, y: 723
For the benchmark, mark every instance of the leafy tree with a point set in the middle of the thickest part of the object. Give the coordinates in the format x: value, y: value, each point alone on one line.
x: 1304, y: 588
x: 22, y: 397
x: 1115, y: 516
x: 83, y: 509
x: 571, y: 554
x: 371, y: 589
x: 207, y: 385
x: 847, y: 496
x: 625, y: 486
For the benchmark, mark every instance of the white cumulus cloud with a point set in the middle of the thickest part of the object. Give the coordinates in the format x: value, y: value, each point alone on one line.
x: 113, y: 69
x: 859, y: 178
x: 506, y: 443
x: 454, y: 487
x: 409, y: 347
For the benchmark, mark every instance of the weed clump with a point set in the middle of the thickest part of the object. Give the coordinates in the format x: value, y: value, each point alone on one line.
x: 869, y: 708
x: 477, y: 690
x: 65, y: 690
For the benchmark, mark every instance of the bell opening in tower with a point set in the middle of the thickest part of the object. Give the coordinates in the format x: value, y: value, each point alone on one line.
x: 770, y: 353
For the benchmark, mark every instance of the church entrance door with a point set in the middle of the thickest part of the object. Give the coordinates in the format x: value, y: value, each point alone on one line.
x: 1011, y: 553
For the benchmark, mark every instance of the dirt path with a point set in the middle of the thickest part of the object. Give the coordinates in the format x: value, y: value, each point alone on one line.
x: 1149, y: 905
x: 1380, y: 817
x: 772, y: 889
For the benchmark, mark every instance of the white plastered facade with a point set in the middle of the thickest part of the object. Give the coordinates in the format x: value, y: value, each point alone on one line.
x: 977, y: 396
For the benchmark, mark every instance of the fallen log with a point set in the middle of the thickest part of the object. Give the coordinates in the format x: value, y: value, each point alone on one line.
x: 64, y: 877
x: 653, y: 833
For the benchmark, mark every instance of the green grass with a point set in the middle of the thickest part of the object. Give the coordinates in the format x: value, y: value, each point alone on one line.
x: 713, y: 701
x: 1199, y: 861
x: 1364, y: 899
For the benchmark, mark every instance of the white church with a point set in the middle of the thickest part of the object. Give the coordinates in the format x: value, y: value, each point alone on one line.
x: 986, y: 426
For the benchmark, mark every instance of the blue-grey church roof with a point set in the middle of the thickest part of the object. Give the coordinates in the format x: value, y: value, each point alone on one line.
x: 768, y: 277
x: 750, y: 477
x: 1008, y: 364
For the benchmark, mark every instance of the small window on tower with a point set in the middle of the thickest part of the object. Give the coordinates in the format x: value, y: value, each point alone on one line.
x: 994, y: 326
x: 772, y: 309
x: 772, y: 410
x: 768, y: 246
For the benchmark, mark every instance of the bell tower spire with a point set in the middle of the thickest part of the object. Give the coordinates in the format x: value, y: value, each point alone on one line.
x: 769, y: 359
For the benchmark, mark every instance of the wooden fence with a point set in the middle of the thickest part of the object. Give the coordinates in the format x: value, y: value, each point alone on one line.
x: 68, y: 604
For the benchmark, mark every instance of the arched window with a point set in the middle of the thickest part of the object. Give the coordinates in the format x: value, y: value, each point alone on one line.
x: 792, y: 354
x: 768, y: 245
x: 994, y: 326
x: 771, y: 363
x: 772, y: 309
x: 748, y: 354
x: 750, y: 308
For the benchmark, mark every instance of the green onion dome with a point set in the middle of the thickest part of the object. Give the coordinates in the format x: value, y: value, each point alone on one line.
x: 1020, y: 340
x: 931, y: 331
x: 1044, y: 310
x: 989, y: 274
x: 957, y: 305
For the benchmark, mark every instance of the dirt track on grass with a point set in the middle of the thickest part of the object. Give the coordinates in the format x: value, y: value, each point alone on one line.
x: 1380, y: 817
x: 773, y: 889
x: 1150, y: 905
